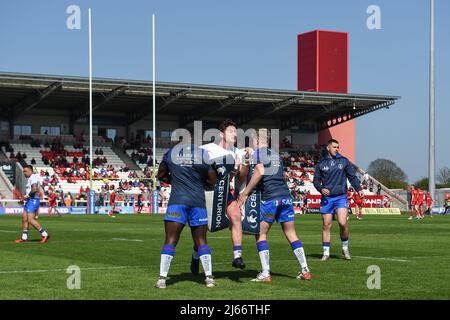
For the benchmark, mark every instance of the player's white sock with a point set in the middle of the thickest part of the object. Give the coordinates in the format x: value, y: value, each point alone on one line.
x: 264, y: 256
x: 299, y: 252
x: 25, y: 235
x: 344, y: 243
x: 167, y: 253
x: 237, y: 251
x: 204, y: 253
x: 326, y: 249
x: 43, y: 232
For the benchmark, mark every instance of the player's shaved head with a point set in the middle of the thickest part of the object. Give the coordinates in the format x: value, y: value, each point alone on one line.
x: 331, y: 141
x: 27, y: 170
x: 333, y: 147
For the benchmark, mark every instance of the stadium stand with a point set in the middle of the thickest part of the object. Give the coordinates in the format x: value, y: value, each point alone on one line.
x: 143, y: 157
x: 61, y: 167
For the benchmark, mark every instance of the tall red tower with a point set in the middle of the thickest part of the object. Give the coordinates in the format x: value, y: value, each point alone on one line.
x: 323, y: 67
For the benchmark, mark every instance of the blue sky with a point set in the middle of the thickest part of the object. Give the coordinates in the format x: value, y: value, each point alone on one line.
x: 252, y: 43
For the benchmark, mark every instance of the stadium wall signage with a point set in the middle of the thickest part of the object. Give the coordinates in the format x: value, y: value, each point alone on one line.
x: 374, y: 211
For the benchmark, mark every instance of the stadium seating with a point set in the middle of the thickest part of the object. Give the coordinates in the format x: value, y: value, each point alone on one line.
x: 159, y: 155
x: 74, y: 188
x: 300, y: 168
x: 35, y: 153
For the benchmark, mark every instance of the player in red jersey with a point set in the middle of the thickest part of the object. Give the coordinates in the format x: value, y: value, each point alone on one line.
x: 52, y: 203
x: 354, y: 197
x: 429, y: 203
x: 358, y: 205
x: 112, y: 202
x: 413, y: 202
x: 419, y: 203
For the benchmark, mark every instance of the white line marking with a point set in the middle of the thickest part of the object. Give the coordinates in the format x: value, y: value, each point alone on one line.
x: 58, y: 270
x: 8, y: 231
x: 123, y: 239
x: 157, y: 265
x: 375, y: 258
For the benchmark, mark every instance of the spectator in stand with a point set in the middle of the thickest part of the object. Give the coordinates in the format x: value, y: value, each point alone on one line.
x: 35, y: 143
x: 45, y: 181
x: 45, y: 160
x: 378, y: 189
x: 33, y: 161
x: 364, y: 185
x: 68, y: 200
x: 54, y: 180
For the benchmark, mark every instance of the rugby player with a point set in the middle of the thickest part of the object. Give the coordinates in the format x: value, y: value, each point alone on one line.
x: 236, y: 164
x: 354, y: 196
x: 52, y: 204
x: 429, y: 204
x: 31, y: 198
x: 140, y: 203
x: 276, y: 205
x: 112, y: 202
x: 413, y: 201
x: 187, y: 169
x: 330, y: 179
x: 420, y: 201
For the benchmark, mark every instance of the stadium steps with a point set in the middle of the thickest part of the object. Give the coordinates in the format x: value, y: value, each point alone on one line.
x: 399, y: 201
x: 127, y: 160
x: 6, y: 187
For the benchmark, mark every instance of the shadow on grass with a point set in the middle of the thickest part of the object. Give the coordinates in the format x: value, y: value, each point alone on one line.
x: 319, y: 256
x: 236, y: 276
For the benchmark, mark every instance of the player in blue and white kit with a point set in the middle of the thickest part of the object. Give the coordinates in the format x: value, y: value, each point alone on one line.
x: 31, y: 207
x: 330, y: 179
x: 186, y: 167
x: 276, y: 205
x: 235, y: 162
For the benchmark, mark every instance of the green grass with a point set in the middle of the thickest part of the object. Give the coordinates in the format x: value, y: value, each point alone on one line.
x: 413, y: 257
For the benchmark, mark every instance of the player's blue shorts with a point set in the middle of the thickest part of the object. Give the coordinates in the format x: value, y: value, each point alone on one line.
x: 31, y: 205
x: 280, y: 210
x: 193, y: 215
x: 329, y: 205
